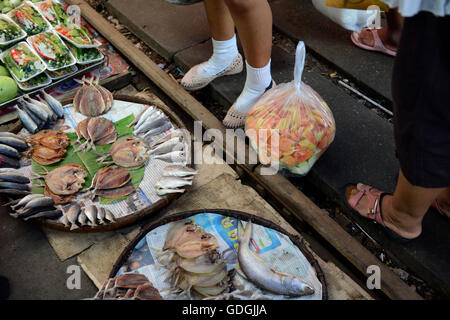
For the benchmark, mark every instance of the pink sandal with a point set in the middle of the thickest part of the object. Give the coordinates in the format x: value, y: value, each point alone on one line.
x: 374, y: 210
x: 378, y: 45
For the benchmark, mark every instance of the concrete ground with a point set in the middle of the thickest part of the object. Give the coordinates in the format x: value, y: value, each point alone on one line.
x: 363, y: 150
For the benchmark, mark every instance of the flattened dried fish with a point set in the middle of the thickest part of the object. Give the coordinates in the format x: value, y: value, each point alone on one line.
x: 118, y: 192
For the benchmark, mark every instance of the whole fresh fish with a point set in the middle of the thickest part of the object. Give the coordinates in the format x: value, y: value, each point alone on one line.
x: 39, y: 202
x: 169, y: 146
x: 54, y: 104
x: 32, y: 212
x: 172, y: 183
x: 6, y: 134
x: 72, y: 215
x: 39, y: 122
x: 147, y: 114
x: 44, y: 106
x: 14, y: 177
x: 163, y: 127
x: 25, y: 200
x: 46, y: 214
x: 36, y: 110
x: 91, y: 214
x: 27, y: 122
x: 109, y: 216
x: 101, y: 212
x: 139, y: 116
x: 8, y: 162
x: 9, y: 151
x: 178, y: 171
x: 174, y: 157
x: 82, y: 219
x: 16, y: 143
x: 64, y: 220
x: 173, y: 134
x: 14, y: 192
x: 263, y: 276
x: 162, y: 192
x: 13, y: 185
x: 150, y: 123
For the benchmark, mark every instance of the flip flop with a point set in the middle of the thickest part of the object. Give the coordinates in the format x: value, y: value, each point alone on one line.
x: 378, y: 45
x: 375, y: 213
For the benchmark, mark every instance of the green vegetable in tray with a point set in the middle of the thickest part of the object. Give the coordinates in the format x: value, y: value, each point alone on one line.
x: 7, y: 5
x: 51, y: 48
x: 29, y: 19
x: 8, y: 31
x: 8, y: 89
x: 76, y: 33
x: 54, y: 12
x: 35, y: 82
x: 22, y: 62
x: 85, y: 54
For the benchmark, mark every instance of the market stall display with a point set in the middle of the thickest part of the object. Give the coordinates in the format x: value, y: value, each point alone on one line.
x: 203, y: 255
x: 29, y: 46
x: 112, y: 177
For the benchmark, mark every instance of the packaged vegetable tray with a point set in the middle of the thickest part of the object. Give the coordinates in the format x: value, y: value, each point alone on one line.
x: 52, y: 50
x: 303, y: 120
x: 85, y: 55
x: 41, y: 80
x: 54, y: 12
x: 62, y: 73
x: 78, y: 35
x: 28, y: 17
x: 22, y: 62
x: 10, y: 32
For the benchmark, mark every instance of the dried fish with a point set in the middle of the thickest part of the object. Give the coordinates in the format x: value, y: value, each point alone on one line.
x: 116, y: 193
x: 109, y: 216
x: 92, y: 99
x: 139, y: 115
x: 82, y: 218
x: 101, y: 212
x: 173, y: 134
x: 153, y: 132
x: 147, y: 114
x: 67, y: 179
x: 162, y: 192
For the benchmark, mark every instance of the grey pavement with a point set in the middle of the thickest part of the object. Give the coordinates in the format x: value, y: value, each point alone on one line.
x: 363, y: 150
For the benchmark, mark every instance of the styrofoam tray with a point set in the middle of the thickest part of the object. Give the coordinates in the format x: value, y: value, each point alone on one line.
x: 74, y: 61
x: 46, y: 83
x: 12, y: 73
x: 49, y: 26
x: 24, y: 34
x: 96, y: 43
x: 73, y: 68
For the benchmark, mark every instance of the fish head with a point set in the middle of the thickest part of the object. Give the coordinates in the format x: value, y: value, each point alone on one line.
x: 299, y: 287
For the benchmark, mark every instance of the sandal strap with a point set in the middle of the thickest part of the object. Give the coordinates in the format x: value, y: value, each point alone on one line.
x: 374, y: 196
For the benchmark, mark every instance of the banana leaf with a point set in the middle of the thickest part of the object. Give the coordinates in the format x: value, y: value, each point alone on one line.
x: 88, y: 160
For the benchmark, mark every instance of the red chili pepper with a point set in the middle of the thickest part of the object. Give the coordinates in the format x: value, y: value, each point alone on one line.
x: 36, y: 47
x: 17, y: 56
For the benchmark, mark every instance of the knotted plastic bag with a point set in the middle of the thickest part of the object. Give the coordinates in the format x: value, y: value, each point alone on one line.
x: 291, y: 126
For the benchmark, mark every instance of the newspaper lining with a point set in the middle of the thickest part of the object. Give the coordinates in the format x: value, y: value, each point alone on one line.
x: 145, y: 194
x: 276, y: 249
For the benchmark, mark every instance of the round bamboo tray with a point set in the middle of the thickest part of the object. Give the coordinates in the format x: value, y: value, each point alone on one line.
x: 225, y: 212
x: 138, y: 215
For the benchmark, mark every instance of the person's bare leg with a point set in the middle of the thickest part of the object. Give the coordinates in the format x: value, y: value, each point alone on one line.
x: 253, y: 20
x: 390, y: 36
x: 220, y: 21
x: 404, y: 211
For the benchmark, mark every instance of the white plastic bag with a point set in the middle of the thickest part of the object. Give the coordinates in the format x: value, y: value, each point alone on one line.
x: 350, y: 19
x: 291, y: 126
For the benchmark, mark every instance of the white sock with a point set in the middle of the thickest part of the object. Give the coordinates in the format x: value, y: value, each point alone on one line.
x: 223, y: 54
x: 258, y: 80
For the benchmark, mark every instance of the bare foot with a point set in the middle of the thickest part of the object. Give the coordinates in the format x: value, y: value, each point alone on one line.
x: 366, y: 38
x: 392, y: 220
